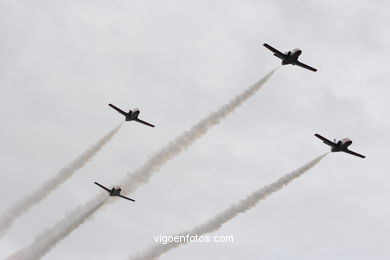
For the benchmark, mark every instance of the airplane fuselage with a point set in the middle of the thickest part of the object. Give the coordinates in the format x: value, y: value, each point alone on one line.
x: 132, y: 115
x: 115, y: 191
x: 291, y: 57
x: 341, y: 145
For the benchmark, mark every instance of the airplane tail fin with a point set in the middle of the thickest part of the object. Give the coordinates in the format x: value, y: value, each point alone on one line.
x: 136, y: 112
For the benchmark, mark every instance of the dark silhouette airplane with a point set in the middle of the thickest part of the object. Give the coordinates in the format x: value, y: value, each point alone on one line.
x: 290, y: 57
x: 339, y: 146
x: 115, y: 191
x: 132, y: 115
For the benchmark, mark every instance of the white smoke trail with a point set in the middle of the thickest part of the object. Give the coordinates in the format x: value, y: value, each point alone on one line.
x: 44, y: 241
x: 23, y: 205
x: 166, y: 153
x: 217, y: 221
x: 142, y: 175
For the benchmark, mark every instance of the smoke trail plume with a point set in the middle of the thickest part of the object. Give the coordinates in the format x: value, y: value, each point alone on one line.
x: 217, y: 221
x: 166, y: 153
x: 141, y: 176
x: 51, y: 236
x: 23, y: 205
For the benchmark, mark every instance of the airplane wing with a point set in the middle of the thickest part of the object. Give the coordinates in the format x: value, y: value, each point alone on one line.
x: 126, y: 198
x: 353, y: 153
x: 101, y: 186
x: 275, y: 51
x: 117, y: 109
x: 326, y: 141
x: 300, y: 64
x: 143, y: 122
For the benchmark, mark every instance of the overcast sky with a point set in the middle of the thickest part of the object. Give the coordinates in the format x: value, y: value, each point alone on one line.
x: 62, y: 62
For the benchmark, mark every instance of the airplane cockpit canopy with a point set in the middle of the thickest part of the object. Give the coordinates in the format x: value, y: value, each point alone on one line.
x: 345, y: 140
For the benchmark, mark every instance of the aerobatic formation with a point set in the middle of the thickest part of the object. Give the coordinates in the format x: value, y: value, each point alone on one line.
x: 48, y: 239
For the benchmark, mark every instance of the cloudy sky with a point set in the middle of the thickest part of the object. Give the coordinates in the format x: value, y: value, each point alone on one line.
x: 62, y: 62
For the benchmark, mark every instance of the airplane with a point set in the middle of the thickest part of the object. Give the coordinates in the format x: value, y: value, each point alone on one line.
x: 132, y: 115
x: 115, y: 191
x: 339, y: 146
x: 290, y: 57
